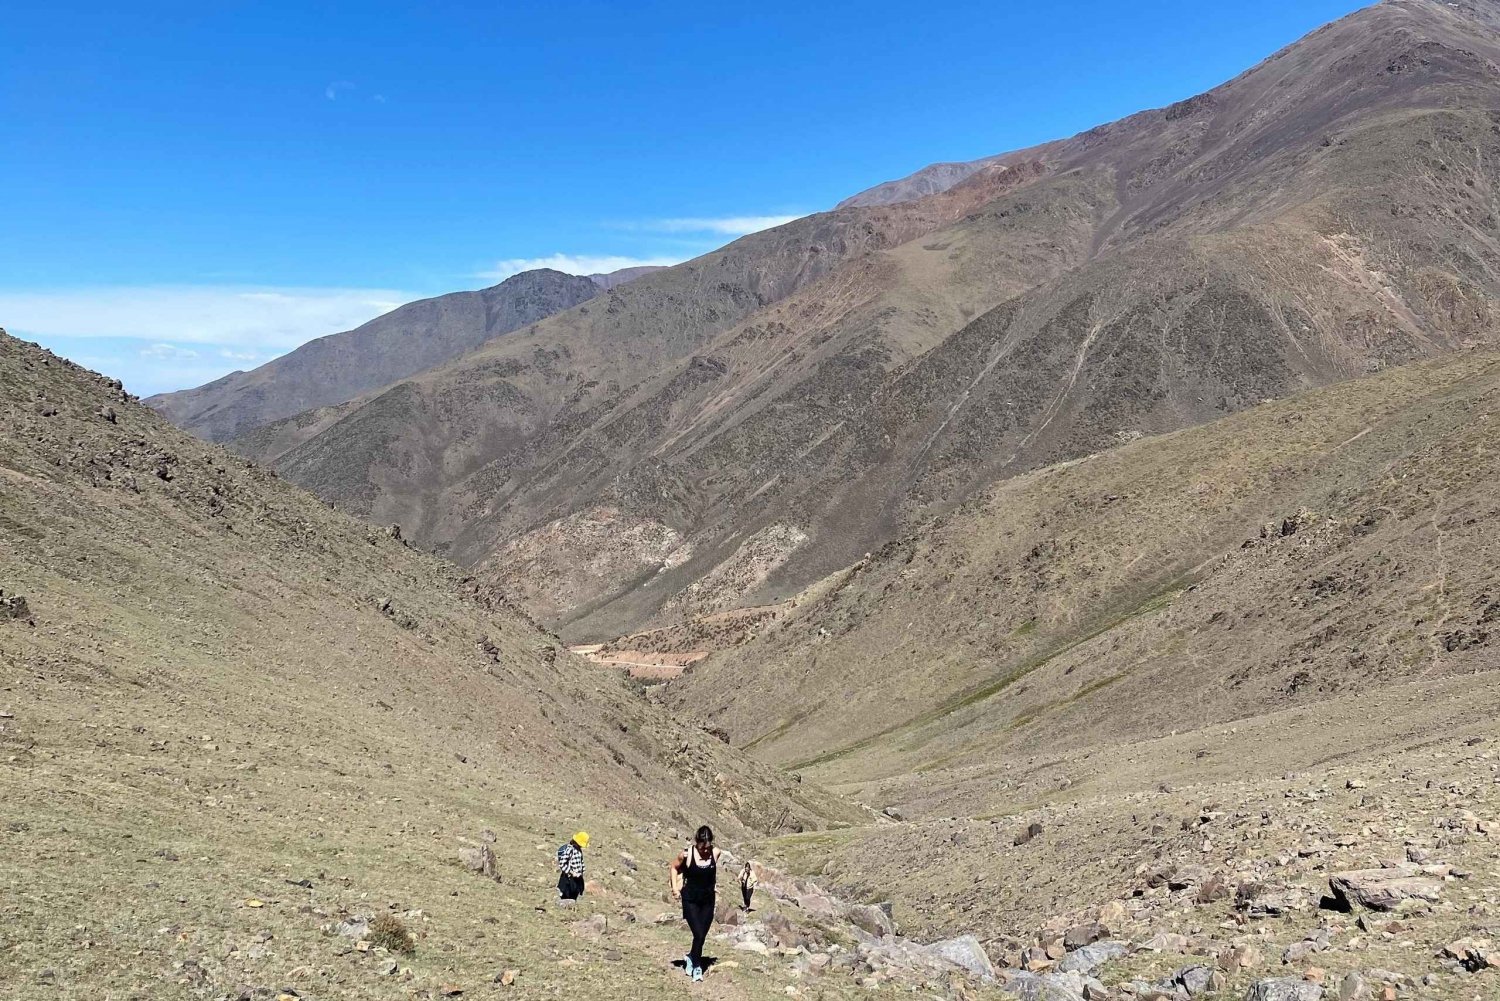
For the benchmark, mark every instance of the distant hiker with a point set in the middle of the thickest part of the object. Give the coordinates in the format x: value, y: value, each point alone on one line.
x: 693, y: 874
x: 748, y: 882
x: 570, y: 867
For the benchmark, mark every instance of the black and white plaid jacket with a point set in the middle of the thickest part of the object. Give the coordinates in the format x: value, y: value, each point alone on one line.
x: 570, y: 860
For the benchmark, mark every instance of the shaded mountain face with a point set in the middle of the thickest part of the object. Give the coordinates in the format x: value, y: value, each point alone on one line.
x: 339, y: 367
x: 728, y: 431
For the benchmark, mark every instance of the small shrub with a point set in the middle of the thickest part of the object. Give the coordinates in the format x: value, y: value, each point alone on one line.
x: 390, y: 932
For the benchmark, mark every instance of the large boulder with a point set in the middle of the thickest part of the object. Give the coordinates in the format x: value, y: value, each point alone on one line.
x: 1384, y: 889
x: 1258, y: 900
x: 871, y: 918
x: 1050, y: 986
x: 966, y: 953
x: 1091, y: 957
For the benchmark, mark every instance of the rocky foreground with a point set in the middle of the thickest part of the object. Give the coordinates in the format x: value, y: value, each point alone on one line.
x: 1375, y: 881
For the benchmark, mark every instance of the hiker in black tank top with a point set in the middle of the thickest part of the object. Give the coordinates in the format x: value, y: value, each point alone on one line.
x: 694, y: 874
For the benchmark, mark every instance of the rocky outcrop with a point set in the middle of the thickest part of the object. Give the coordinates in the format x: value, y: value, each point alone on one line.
x: 1384, y: 889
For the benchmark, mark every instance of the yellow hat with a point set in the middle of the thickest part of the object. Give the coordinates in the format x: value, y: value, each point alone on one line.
x: 582, y: 837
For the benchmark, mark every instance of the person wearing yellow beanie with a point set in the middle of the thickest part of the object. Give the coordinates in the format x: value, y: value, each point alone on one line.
x: 570, y: 867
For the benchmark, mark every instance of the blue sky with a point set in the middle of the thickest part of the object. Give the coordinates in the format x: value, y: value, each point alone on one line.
x: 192, y: 188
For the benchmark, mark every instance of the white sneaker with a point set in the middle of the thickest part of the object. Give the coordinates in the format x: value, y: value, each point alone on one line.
x: 687, y: 964
x: 697, y: 973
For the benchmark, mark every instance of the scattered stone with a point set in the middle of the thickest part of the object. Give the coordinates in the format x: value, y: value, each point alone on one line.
x: 507, y: 977
x: 1472, y: 954
x: 389, y: 968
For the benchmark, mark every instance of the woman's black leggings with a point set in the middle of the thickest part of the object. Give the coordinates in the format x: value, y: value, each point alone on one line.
x: 747, y: 892
x: 699, y: 915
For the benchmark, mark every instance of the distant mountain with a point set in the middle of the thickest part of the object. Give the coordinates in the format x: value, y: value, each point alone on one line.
x: 928, y: 181
x: 730, y: 430
x: 610, y: 279
x: 339, y: 367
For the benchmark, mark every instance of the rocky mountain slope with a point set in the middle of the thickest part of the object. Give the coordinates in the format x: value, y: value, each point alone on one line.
x: 691, y: 445
x: 1325, y: 544
x: 407, y: 340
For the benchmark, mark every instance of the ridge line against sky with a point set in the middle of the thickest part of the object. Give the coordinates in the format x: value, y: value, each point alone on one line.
x: 205, y: 188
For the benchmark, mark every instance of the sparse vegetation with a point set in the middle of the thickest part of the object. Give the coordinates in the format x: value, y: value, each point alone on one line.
x: 388, y: 931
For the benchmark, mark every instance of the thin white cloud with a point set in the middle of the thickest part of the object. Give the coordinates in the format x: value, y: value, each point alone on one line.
x: 168, y: 352
x: 337, y: 87
x: 574, y: 264
x: 258, y: 320
x: 739, y: 225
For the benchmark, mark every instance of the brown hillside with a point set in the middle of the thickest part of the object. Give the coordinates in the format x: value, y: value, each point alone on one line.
x: 691, y: 445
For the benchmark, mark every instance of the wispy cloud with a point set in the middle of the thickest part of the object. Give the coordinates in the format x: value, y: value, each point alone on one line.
x: 337, y: 87
x: 716, y: 225
x: 168, y: 352
x: 574, y: 264
x: 238, y: 318
x: 171, y: 337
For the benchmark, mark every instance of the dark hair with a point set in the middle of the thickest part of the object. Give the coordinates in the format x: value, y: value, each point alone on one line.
x: 705, y: 835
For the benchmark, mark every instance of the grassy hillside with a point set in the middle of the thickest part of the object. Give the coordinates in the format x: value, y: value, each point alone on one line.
x: 231, y: 718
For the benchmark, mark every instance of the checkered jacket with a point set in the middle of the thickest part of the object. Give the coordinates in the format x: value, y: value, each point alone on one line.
x: 570, y: 860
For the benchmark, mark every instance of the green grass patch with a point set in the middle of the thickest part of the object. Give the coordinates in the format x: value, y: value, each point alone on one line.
x: 1154, y: 603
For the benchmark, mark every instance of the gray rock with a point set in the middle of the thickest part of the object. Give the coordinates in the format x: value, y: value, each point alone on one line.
x: 1284, y: 989
x: 966, y: 953
x: 1256, y: 900
x: 1047, y: 986
x: 1091, y: 957
x: 1079, y: 936
x: 1353, y: 987
x: 1195, y: 980
x: 356, y: 927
